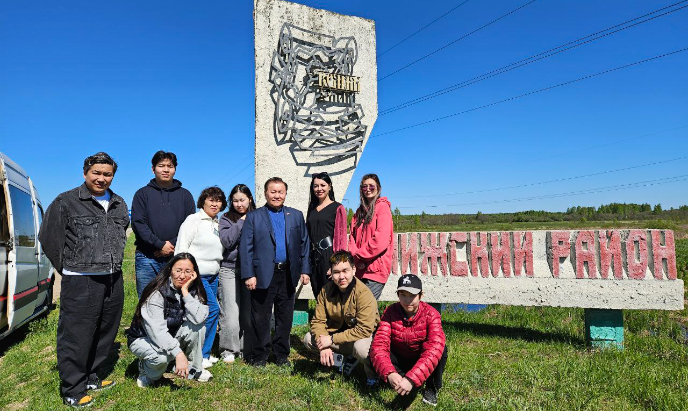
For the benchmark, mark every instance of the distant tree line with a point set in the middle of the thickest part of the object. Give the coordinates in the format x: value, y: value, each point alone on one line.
x: 607, y: 212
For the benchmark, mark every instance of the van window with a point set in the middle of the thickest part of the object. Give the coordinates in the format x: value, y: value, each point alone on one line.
x: 4, y: 228
x: 22, y: 209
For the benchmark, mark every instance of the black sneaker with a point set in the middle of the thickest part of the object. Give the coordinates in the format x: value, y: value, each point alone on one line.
x: 349, y: 365
x: 79, y: 401
x: 430, y: 396
x: 257, y: 363
x: 99, y: 385
x: 283, y: 362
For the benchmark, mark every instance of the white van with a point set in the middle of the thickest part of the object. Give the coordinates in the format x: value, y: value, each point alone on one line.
x: 26, y: 277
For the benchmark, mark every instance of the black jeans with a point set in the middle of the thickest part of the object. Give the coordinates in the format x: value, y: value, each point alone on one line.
x: 403, y: 365
x: 90, y: 313
x: 280, y: 293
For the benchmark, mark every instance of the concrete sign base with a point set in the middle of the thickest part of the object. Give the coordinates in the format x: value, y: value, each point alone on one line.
x: 604, y: 328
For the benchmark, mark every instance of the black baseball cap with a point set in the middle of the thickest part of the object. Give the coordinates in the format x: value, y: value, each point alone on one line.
x: 410, y: 283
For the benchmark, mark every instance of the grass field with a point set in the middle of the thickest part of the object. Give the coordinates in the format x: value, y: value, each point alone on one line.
x: 502, y: 358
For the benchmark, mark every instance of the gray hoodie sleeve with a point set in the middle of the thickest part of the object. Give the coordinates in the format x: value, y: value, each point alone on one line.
x: 230, y: 232
x: 196, y: 312
x: 153, y: 313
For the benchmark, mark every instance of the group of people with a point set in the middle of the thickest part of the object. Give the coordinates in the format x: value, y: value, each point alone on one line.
x: 199, y: 274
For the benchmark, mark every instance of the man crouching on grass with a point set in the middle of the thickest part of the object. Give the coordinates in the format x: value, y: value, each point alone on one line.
x: 345, y: 315
x: 409, y: 346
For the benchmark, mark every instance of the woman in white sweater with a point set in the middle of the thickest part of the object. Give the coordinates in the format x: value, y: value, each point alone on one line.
x: 199, y: 236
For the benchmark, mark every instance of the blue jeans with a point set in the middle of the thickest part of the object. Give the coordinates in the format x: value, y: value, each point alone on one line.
x: 210, y: 285
x: 147, y: 269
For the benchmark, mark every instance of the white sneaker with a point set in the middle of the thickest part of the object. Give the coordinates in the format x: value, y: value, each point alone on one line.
x: 143, y: 381
x: 207, y: 363
x: 213, y: 359
x: 205, y: 376
x: 228, y: 357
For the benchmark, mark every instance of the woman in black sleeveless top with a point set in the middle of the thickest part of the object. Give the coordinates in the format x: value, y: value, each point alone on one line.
x: 326, y: 222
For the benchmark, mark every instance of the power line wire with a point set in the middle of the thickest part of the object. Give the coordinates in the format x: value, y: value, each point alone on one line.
x: 557, y: 180
x: 588, y: 148
x: 540, y: 56
x: 247, y: 158
x: 455, y: 41
x: 532, y: 92
x: 237, y: 173
x: 424, y: 27
x: 660, y: 181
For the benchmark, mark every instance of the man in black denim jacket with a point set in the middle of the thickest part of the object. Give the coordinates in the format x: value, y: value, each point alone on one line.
x: 83, y: 234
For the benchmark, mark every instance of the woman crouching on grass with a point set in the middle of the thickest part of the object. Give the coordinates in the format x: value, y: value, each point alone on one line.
x: 169, y: 323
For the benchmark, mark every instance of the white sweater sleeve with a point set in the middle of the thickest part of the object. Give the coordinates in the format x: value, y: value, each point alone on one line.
x: 187, y: 232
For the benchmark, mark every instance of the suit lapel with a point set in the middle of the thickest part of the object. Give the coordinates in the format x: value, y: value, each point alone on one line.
x: 287, y: 225
x: 268, y: 222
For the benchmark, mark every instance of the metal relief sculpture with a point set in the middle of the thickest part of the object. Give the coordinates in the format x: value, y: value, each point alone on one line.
x: 314, y: 91
x: 316, y: 95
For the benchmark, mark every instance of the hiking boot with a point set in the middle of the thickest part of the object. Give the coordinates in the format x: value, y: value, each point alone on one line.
x: 79, y: 401
x: 372, y: 382
x: 99, y: 385
x: 430, y: 396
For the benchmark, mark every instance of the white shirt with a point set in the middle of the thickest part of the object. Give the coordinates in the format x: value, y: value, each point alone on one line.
x: 200, y: 235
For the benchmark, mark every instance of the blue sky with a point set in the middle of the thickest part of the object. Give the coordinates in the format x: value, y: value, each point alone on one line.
x: 132, y: 77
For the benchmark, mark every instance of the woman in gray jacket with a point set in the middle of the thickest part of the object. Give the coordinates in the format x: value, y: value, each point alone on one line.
x: 169, y: 323
x: 233, y: 297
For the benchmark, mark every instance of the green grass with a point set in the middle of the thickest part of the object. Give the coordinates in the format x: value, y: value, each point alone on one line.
x: 503, y: 358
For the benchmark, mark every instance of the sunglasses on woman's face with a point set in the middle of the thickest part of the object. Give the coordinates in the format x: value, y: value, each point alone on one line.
x: 368, y: 187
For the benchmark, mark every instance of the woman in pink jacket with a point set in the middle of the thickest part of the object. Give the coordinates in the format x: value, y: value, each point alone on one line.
x: 371, y: 236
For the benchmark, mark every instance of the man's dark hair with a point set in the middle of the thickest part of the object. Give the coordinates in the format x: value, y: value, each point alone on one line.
x: 275, y: 180
x: 164, y: 155
x: 99, y: 158
x: 213, y: 193
x: 341, y: 256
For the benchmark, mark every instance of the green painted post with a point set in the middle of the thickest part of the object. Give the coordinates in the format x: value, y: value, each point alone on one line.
x: 300, y: 312
x: 604, y: 328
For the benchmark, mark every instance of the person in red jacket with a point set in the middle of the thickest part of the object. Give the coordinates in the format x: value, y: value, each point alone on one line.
x: 371, y: 236
x: 409, y: 347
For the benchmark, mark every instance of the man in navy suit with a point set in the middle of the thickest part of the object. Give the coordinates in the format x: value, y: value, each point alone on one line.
x: 273, y: 252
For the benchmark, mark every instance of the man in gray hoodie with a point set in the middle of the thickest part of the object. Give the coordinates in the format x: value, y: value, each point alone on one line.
x: 157, y: 212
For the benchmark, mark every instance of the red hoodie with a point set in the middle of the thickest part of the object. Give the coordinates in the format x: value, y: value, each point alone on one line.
x: 371, y: 245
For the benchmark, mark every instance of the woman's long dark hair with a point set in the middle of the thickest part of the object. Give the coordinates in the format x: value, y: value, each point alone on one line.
x: 313, y: 200
x: 364, y: 214
x: 232, y: 213
x: 163, y: 280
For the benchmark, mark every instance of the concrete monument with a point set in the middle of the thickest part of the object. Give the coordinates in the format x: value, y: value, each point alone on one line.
x: 316, y: 95
x: 602, y: 271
